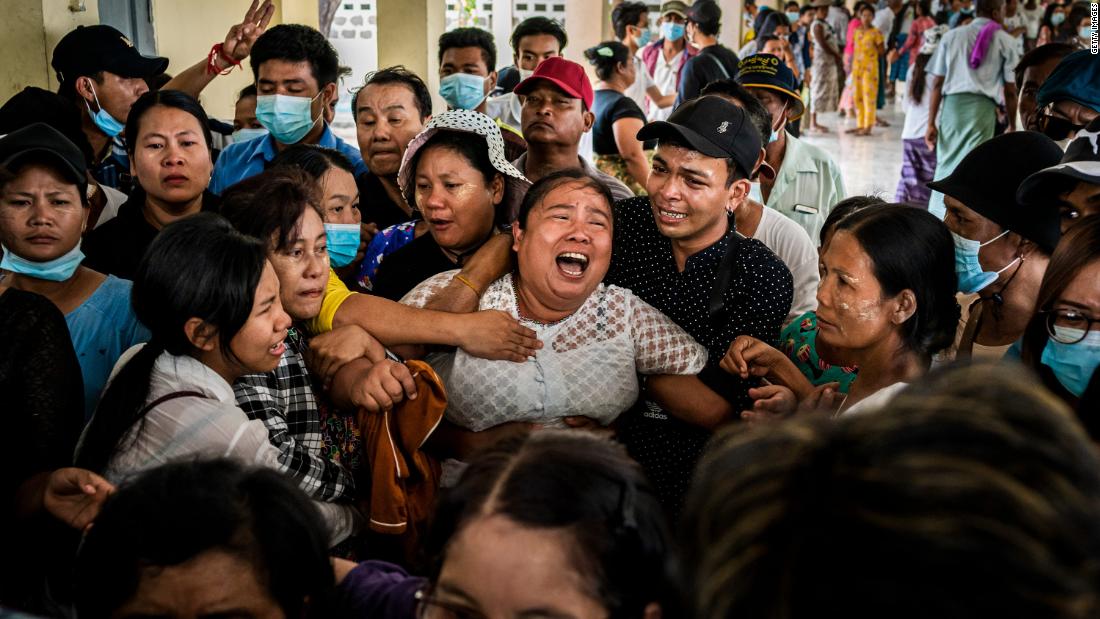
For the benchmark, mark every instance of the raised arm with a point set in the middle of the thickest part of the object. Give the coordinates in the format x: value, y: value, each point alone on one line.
x: 235, y: 48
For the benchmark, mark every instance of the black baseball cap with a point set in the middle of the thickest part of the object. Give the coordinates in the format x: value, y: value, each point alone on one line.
x: 45, y: 142
x: 1081, y: 163
x: 712, y: 126
x: 987, y: 179
x: 91, y: 49
x: 770, y: 72
x: 705, y: 12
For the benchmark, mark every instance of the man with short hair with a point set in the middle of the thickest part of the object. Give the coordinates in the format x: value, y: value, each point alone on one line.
x: 1029, y: 75
x: 964, y: 98
x: 1070, y: 98
x: 1072, y: 186
x: 389, y: 109
x: 534, y: 39
x: 714, y: 61
x: 679, y: 251
x: 101, y: 72
x: 557, y: 104
x: 296, y: 71
x: 630, y: 21
x: 807, y: 181
x: 467, y: 61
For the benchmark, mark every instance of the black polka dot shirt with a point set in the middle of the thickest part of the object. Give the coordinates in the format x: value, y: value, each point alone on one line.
x: 757, y: 301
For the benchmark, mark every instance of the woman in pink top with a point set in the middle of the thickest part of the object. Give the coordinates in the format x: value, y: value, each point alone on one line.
x: 913, y: 42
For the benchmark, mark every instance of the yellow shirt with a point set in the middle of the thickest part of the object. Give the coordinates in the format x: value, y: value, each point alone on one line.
x: 336, y: 292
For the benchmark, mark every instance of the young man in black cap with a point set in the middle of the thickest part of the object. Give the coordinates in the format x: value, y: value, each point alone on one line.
x: 1001, y: 246
x: 102, y: 73
x: 807, y: 182
x: 1073, y: 185
x: 678, y: 250
x: 714, y: 61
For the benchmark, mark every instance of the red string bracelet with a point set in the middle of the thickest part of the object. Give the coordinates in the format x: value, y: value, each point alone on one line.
x: 212, y: 66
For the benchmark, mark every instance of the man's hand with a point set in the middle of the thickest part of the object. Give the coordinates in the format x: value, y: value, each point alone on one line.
x: 491, y: 261
x: 330, y: 351
x: 749, y: 356
x: 930, y: 136
x: 492, y: 334
x: 384, y: 386
x: 240, y: 38
x: 824, y: 399
x: 74, y: 496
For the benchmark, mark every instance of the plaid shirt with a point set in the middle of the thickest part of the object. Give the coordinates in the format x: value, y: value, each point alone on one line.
x: 114, y: 170
x: 284, y: 400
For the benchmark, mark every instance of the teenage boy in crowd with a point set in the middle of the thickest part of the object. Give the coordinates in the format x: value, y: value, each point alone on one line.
x: 101, y: 72
x: 714, y: 61
x: 535, y: 39
x: 630, y: 21
x: 389, y: 109
x: 1072, y: 186
x: 296, y: 71
x: 679, y: 251
x: 807, y: 182
x: 467, y: 74
x: 665, y: 58
x: 557, y: 112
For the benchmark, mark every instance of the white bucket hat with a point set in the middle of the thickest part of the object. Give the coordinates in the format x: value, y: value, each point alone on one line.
x: 468, y: 121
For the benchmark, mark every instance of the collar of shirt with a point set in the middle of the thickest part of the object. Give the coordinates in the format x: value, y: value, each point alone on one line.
x: 521, y: 164
x: 266, y: 147
x: 796, y: 159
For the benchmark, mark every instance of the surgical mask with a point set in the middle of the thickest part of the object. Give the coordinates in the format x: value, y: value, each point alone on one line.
x: 969, y: 269
x: 1073, y: 364
x: 793, y: 18
x: 288, y: 118
x: 1086, y: 32
x: 107, y: 124
x: 343, y: 243
x: 463, y: 91
x: 672, y: 31
x: 525, y: 73
x: 1057, y: 19
x: 248, y: 133
x: 644, y: 37
x: 57, y: 270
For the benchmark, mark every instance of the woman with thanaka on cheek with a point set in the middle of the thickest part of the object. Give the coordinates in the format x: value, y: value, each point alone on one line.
x: 215, y: 320
x: 43, y: 212
x: 168, y: 137
x: 886, y: 304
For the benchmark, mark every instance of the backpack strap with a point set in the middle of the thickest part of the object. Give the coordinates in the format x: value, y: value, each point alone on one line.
x: 175, y: 395
x: 717, y: 299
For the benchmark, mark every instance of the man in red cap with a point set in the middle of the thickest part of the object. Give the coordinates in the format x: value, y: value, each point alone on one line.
x: 557, y: 104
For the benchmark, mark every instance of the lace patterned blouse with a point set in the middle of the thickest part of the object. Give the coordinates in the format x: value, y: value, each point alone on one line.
x: 588, y: 364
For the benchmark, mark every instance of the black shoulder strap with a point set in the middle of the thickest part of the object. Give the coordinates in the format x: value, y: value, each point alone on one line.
x: 725, y: 274
x: 175, y: 395
x: 718, y: 62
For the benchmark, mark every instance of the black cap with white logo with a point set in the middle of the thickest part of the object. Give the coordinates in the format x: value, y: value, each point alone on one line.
x: 713, y: 126
x: 91, y: 49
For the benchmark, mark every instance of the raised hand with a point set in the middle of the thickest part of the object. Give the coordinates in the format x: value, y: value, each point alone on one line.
x: 240, y: 38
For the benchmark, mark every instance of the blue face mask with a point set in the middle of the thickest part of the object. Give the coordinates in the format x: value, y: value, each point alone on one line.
x: 1086, y: 32
x: 672, y: 31
x: 969, y: 269
x: 343, y: 243
x: 462, y: 91
x: 793, y: 18
x: 288, y: 118
x: 1073, y: 364
x: 248, y: 133
x: 107, y: 124
x: 644, y: 38
x: 1057, y: 19
x: 57, y: 270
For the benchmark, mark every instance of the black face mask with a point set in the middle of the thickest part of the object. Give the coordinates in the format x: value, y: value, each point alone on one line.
x: 1057, y: 128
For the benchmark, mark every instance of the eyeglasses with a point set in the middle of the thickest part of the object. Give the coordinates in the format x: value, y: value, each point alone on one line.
x: 1068, y: 326
x: 1056, y: 127
x: 427, y: 607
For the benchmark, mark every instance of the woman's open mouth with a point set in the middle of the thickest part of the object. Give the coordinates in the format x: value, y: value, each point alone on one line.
x: 278, y: 348
x: 572, y: 264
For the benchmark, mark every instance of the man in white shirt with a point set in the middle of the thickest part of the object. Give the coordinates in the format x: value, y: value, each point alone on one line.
x: 664, y: 58
x: 963, y: 99
x: 630, y: 20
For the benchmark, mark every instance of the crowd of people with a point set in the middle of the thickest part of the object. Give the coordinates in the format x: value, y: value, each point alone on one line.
x: 572, y: 347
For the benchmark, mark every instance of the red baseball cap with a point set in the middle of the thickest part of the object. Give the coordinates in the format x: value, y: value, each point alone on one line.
x: 565, y: 74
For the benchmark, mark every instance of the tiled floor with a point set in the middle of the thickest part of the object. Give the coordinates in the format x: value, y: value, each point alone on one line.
x: 870, y: 165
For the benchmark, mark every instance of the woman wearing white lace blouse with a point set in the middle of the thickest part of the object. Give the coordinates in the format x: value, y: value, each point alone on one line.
x: 596, y: 338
